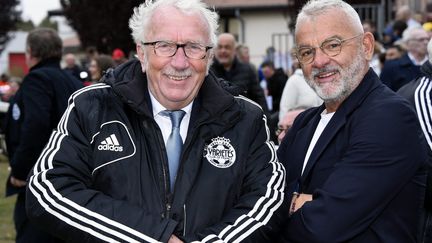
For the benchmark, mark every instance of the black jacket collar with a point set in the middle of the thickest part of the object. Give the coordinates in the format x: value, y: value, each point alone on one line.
x: 49, y: 62
x: 130, y: 84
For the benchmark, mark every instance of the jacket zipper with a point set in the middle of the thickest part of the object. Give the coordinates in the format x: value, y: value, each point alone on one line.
x: 167, y: 193
x: 166, y: 200
x: 184, y: 219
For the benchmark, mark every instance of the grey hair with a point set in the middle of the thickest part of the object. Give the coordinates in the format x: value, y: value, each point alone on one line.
x: 44, y: 43
x: 318, y: 7
x: 409, y: 33
x: 140, y: 21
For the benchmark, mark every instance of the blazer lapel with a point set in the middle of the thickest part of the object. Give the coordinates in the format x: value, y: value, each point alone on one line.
x: 303, y: 137
x: 369, y: 82
x: 332, y: 128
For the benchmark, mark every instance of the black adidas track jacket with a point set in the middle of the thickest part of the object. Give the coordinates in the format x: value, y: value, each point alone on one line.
x: 103, y: 175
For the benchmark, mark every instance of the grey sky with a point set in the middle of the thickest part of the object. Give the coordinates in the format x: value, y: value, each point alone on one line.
x: 36, y: 10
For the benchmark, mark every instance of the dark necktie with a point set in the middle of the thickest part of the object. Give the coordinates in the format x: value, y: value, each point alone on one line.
x: 174, y: 144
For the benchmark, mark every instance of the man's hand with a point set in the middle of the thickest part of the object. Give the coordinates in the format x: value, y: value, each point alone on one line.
x: 17, y: 183
x: 174, y: 239
x: 298, y: 200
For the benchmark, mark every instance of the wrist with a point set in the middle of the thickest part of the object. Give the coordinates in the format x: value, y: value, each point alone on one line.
x: 293, y: 203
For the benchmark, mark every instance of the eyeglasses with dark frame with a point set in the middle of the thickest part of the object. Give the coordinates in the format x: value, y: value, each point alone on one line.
x: 168, y: 49
x: 331, y: 47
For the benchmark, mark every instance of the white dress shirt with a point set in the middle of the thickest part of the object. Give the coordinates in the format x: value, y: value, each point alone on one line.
x: 164, y: 122
x: 325, y: 119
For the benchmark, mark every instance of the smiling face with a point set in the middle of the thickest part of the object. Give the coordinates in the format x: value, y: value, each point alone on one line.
x: 174, y: 81
x: 334, y: 78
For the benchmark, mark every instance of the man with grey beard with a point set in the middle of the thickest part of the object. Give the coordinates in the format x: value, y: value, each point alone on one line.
x: 356, y: 164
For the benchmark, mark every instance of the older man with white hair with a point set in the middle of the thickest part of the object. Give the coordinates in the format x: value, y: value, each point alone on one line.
x: 160, y: 151
x: 419, y: 91
x: 396, y: 73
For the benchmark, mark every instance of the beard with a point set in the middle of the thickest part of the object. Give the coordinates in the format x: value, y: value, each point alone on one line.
x: 339, y: 89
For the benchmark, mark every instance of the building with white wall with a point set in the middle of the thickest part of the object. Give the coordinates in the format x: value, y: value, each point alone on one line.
x: 259, y: 25
x: 15, y: 46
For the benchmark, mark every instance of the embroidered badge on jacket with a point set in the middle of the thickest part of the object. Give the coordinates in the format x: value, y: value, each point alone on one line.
x: 220, y: 152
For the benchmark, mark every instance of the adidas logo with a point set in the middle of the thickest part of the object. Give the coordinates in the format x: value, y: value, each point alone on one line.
x: 111, y: 143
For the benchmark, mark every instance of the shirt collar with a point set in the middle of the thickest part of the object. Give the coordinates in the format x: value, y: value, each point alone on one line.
x: 158, y: 107
x: 413, y: 60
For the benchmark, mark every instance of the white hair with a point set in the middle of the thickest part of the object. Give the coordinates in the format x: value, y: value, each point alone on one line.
x: 140, y: 21
x: 410, y: 33
x: 318, y: 7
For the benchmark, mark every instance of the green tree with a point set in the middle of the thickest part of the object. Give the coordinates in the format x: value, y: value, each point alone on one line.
x: 25, y: 25
x: 47, y: 23
x: 8, y: 19
x: 101, y: 23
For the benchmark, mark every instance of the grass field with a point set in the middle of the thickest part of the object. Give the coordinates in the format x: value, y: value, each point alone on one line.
x: 7, y: 231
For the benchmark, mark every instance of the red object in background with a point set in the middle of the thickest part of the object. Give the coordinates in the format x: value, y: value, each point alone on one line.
x: 17, y: 63
x: 117, y: 54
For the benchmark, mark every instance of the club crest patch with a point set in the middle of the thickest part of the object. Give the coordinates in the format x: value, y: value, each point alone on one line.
x: 220, y: 152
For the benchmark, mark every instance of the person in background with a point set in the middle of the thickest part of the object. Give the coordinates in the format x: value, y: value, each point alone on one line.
x: 394, y: 52
x: 72, y: 67
x: 14, y: 84
x: 32, y: 116
x: 356, y: 166
x: 98, y: 66
x: 91, y: 52
x: 118, y: 56
x: 276, y: 79
x: 275, y: 82
x: 4, y: 79
x: 161, y: 152
x: 418, y: 92
x: 391, y: 53
x: 375, y: 62
x: 286, y: 122
x: 4, y: 86
x: 227, y: 66
x: 427, y: 14
x: 242, y: 52
x: 398, y: 72
x: 393, y: 33
x: 8, y: 87
x: 370, y: 26
x: 404, y: 13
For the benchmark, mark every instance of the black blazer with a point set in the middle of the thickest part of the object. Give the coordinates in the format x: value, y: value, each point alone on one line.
x: 396, y: 73
x: 33, y: 113
x: 366, y: 172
